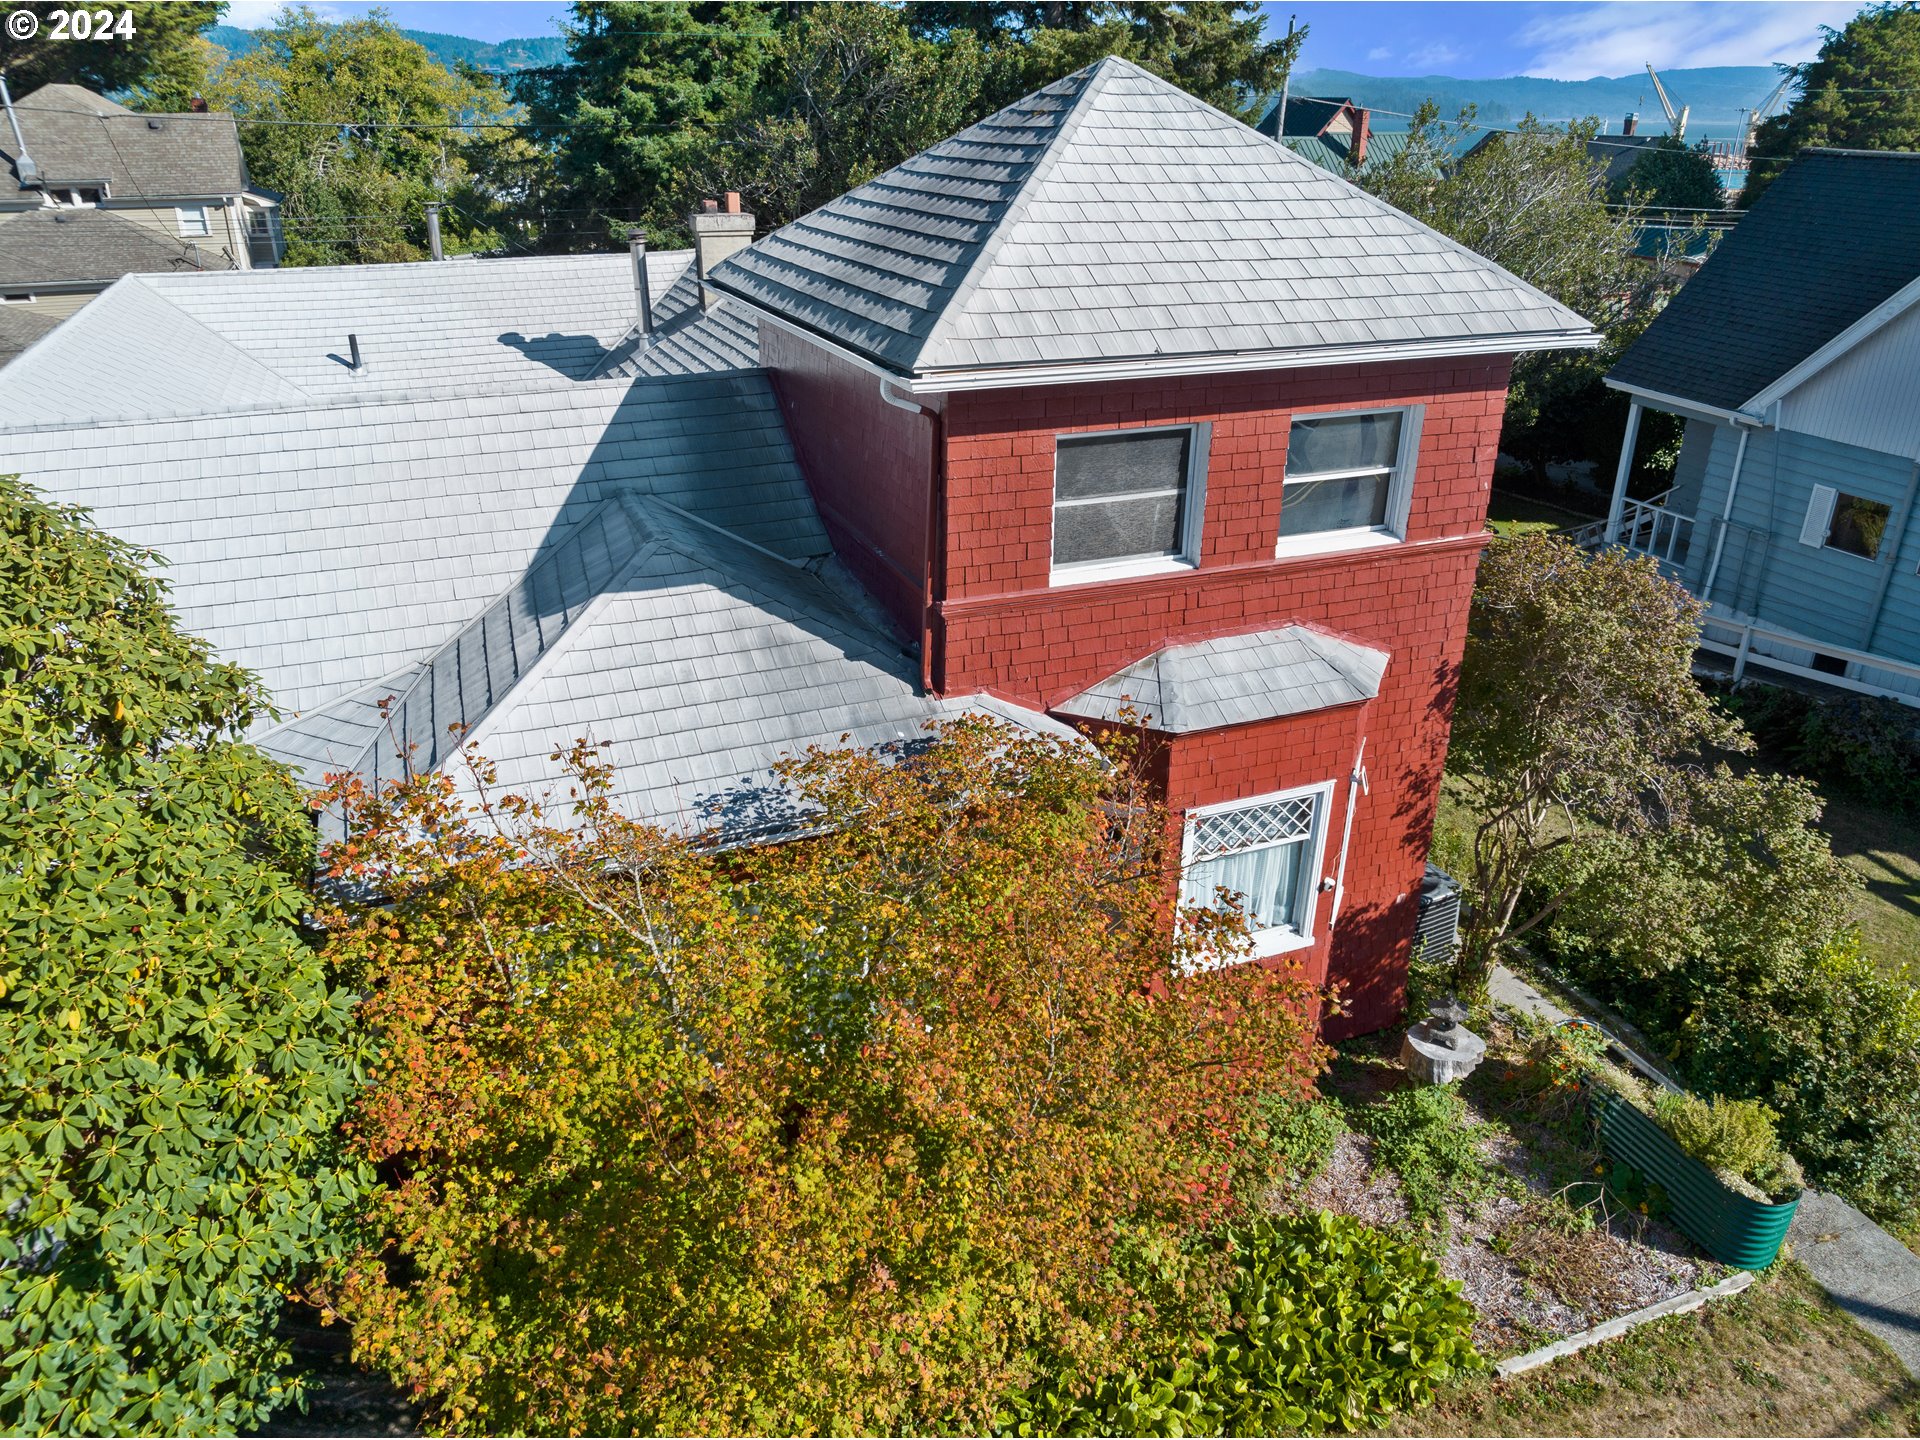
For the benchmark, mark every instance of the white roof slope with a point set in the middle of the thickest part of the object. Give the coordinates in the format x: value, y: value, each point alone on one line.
x: 156, y: 346
x: 1112, y: 217
x: 1236, y: 680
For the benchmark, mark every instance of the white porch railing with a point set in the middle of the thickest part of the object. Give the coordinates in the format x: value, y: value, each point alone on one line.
x: 1735, y: 639
x: 1647, y: 527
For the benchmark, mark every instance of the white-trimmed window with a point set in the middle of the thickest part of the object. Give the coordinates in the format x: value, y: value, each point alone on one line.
x: 1851, y: 524
x: 1267, y: 850
x: 193, y: 220
x: 1349, y: 479
x: 16, y: 297
x: 1127, y: 502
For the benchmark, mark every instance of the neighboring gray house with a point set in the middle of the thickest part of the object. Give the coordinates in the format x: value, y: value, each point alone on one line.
x: 1794, y: 356
x: 101, y: 191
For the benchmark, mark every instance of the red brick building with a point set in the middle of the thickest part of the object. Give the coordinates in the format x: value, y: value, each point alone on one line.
x: 1109, y: 400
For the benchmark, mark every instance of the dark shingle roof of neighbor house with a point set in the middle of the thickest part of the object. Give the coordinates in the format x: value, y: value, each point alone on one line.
x: 81, y: 246
x: 75, y: 137
x: 1113, y: 218
x: 1834, y: 236
x: 19, y: 328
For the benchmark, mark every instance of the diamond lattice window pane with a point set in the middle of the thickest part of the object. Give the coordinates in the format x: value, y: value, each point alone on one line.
x: 1252, y: 826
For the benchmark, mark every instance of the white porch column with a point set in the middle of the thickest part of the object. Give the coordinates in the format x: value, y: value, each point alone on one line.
x: 1621, y: 472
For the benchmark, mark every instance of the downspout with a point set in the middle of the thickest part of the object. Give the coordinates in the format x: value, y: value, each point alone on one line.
x: 934, y: 567
x: 1356, y: 787
x: 29, y: 172
x: 1726, y: 511
x: 1897, y: 534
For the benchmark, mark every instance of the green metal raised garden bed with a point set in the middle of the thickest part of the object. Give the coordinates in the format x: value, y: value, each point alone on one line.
x: 1728, y: 1226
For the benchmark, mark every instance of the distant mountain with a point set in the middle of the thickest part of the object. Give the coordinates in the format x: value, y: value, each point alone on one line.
x: 1716, y: 94
x: 449, y: 50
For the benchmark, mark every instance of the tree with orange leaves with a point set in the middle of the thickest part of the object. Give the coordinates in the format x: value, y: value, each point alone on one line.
x: 853, y: 1133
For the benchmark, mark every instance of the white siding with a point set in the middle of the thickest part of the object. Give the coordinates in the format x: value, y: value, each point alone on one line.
x: 1869, y: 397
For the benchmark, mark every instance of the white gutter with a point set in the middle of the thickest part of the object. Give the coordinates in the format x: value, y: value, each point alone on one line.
x: 1747, y: 427
x: 943, y: 382
x: 1677, y: 405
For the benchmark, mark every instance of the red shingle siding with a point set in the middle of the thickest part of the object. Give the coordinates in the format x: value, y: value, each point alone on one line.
x: 869, y: 465
x: 1002, y: 629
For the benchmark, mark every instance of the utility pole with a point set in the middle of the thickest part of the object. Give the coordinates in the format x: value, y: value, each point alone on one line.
x: 1286, y: 84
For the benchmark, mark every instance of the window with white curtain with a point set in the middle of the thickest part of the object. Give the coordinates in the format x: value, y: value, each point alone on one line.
x: 1268, y: 852
x: 1348, y: 479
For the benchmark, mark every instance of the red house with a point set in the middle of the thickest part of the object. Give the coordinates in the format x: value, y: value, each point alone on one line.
x: 1110, y: 398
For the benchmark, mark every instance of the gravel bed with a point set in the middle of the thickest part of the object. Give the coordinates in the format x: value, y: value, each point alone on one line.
x: 1544, y: 1279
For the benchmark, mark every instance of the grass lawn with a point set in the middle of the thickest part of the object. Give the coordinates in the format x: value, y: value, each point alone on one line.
x: 1516, y: 514
x: 1777, y: 1359
x: 1884, y: 847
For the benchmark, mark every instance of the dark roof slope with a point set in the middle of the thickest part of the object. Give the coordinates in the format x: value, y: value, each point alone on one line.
x: 76, y: 137
x: 51, y: 247
x: 19, y: 328
x: 1306, y: 115
x: 1835, y: 235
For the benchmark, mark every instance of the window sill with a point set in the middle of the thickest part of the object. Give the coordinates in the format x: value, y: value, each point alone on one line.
x: 1334, y: 542
x: 1096, y: 571
x: 1280, y: 942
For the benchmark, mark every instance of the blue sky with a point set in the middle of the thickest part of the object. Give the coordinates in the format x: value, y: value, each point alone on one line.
x: 1564, y: 39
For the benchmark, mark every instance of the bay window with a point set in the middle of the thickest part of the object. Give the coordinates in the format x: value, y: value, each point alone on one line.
x: 1267, y: 851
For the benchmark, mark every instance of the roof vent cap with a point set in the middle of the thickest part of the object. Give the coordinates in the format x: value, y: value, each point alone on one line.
x: 155, y: 123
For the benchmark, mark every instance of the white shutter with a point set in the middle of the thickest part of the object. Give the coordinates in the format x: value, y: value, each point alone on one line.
x: 1813, y: 531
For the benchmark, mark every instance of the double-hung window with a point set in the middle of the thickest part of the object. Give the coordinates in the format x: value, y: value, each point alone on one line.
x: 1349, y: 479
x: 193, y: 220
x: 1127, y: 502
x: 1268, y: 852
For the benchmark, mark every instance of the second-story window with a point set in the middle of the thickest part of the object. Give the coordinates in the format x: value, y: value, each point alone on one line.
x: 1349, y: 479
x: 1127, y: 502
x: 193, y: 220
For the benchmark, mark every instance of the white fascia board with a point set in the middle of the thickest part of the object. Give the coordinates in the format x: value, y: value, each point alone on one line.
x: 1680, y: 405
x: 1891, y: 308
x: 1162, y: 367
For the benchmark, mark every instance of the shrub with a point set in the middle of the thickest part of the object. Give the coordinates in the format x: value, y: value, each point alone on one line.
x: 176, y: 1057
x: 1336, y: 1326
x: 1864, y: 745
x: 1287, y: 1141
x: 840, y: 1135
x: 1734, y: 1138
x: 1425, y: 1136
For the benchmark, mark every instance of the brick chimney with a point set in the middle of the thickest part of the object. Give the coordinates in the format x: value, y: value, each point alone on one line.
x: 198, y: 105
x: 1362, y: 128
x: 720, y: 227
x: 1630, y: 124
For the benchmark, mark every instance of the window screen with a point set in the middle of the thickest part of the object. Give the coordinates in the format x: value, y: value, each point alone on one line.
x: 1340, y: 473
x: 1118, y: 497
x: 193, y: 220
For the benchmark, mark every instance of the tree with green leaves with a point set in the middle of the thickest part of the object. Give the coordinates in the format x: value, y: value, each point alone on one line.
x: 1862, y: 92
x: 358, y: 128
x: 648, y: 89
x: 1532, y: 201
x: 160, y: 66
x: 178, y: 1055
x: 1671, y: 175
x: 1577, y: 726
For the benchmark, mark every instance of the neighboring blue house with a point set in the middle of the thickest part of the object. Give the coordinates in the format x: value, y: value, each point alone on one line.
x: 1794, y: 356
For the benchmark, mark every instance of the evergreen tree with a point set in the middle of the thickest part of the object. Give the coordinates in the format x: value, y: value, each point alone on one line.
x: 160, y: 65
x: 1862, y: 93
x: 1671, y: 175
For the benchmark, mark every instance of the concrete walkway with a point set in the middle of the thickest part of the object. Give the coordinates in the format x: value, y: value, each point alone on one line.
x: 1869, y: 1274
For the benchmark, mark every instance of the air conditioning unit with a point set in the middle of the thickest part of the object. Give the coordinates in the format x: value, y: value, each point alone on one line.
x: 1436, y: 926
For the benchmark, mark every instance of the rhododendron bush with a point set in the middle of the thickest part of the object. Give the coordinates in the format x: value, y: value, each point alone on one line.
x: 858, y: 1132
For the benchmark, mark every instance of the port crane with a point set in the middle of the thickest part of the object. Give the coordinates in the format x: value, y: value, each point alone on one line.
x: 1676, y: 123
x: 1764, y: 110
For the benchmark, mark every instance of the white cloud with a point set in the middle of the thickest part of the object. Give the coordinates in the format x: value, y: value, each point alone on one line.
x: 1434, y: 58
x: 1577, y: 42
x: 257, y: 14
x: 1380, y: 52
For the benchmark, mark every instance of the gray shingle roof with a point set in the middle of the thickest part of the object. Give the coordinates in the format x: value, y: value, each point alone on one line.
x: 1236, y: 680
x: 19, y: 328
x: 1113, y: 217
x: 331, y: 546
x: 52, y: 247
x: 695, y: 659
x: 1837, y: 233
x: 159, y: 346
x: 76, y: 137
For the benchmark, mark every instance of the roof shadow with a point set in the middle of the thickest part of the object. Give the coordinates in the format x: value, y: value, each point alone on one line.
x: 574, y: 356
